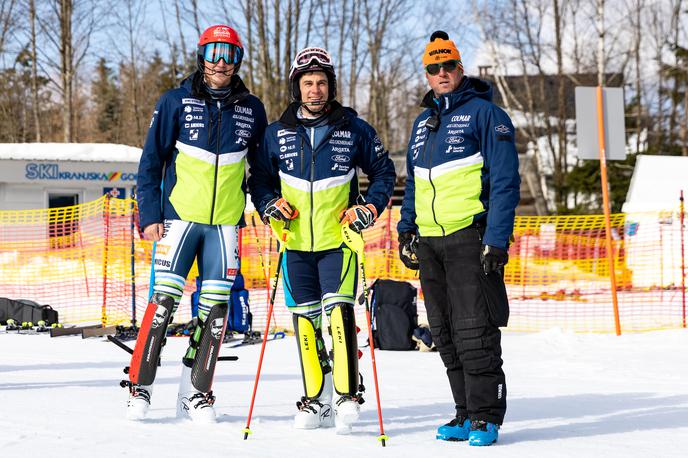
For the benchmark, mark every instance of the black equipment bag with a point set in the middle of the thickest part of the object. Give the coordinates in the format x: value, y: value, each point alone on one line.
x: 395, y: 314
x: 26, y: 311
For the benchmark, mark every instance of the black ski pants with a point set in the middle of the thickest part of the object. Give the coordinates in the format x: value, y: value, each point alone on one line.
x: 468, y: 343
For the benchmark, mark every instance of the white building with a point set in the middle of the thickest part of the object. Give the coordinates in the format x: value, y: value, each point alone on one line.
x: 653, y: 226
x: 47, y: 175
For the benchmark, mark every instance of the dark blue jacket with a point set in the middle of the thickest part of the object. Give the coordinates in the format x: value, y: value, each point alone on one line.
x: 465, y: 169
x: 320, y: 183
x: 201, y: 145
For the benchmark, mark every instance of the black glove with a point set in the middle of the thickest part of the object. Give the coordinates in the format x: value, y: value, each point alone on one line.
x: 408, y: 245
x: 493, y: 258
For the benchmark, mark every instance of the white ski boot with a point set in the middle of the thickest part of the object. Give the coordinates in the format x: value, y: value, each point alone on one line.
x: 139, y: 401
x: 346, y: 414
x: 316, y: 413
x: 192, y: 403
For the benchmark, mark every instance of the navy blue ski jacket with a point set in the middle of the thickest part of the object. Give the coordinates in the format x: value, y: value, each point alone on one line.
x: 201, y: 145
x: 320, y: 182
x: 462, y: 166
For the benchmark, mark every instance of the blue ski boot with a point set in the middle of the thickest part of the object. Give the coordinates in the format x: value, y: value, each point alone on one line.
x: 483, y: 433
x: 455, y: 430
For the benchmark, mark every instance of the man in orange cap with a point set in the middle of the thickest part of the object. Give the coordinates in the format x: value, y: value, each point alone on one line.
x: 457, y: 217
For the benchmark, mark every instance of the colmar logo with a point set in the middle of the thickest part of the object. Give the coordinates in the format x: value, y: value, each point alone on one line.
x: 502, y: 129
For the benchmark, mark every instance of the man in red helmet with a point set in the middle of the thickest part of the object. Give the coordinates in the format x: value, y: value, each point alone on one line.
x: 308, y: 161
x: 191, y: 199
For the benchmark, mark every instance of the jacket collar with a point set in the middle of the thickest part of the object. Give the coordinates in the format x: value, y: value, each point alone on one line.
x: 337, y: 115
x: 468, y: 89
x: 194, y: 84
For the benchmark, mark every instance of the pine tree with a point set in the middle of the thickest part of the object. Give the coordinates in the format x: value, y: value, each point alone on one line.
x: 108, y: 104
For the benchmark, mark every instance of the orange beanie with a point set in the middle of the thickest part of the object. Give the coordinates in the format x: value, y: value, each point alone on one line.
x: 441, y: 50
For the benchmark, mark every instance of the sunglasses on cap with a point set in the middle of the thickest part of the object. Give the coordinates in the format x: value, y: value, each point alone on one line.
x: 213, y: 52
x: 447, y: 65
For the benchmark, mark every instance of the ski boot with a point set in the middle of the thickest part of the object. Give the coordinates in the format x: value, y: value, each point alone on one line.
x: 316, y: 413
x: 192, y: 403
x: 483, y: 433
x: 347, y: 411
x: 456, y: 430
x: 139, y: 401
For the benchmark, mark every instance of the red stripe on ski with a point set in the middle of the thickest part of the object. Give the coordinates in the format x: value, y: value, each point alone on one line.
x: 140, y: 347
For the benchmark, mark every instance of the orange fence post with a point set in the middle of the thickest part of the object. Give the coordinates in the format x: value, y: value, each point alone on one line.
x: 605, y: 201
x: 106, y: 217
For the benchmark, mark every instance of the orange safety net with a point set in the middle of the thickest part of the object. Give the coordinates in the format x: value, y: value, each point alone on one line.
x: 90, y: 264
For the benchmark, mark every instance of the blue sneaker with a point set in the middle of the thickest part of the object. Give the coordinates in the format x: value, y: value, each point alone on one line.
x: 483, y: 433
x: 455, y: 430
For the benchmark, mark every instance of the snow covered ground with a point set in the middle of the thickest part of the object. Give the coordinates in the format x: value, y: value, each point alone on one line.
x: 570, y: 395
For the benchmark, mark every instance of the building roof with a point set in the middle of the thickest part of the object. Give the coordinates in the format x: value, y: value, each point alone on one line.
x: 86, y: 152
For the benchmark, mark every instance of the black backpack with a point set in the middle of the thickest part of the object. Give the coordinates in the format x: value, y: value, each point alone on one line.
x: 24, y: 310
x: 394, y: 314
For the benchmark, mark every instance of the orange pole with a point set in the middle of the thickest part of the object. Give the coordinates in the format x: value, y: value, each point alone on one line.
x: 247, y: 429
x: 605, y: 201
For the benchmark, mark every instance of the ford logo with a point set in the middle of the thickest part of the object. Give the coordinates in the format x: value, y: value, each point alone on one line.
x: 454, y: 140
x: 243, y: 133
x: 340, y: 158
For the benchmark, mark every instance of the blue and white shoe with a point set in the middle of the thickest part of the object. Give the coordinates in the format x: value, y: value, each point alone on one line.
x: 483, y: 433
x: 455, y: 430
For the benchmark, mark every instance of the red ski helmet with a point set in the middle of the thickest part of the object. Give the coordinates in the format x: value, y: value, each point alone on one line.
x: 220, y: 42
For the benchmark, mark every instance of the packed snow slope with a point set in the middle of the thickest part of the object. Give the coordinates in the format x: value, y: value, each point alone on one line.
x: 569, y: 395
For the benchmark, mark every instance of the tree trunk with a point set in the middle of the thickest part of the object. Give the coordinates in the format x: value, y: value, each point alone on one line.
x: 34, y: 74
x: 66, y: 69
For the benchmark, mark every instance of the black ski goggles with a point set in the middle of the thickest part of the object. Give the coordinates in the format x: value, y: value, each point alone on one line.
x: 447, y: 65
x: 213, y: 52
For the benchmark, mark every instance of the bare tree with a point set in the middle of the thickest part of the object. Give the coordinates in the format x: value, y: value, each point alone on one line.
x: 131, y: 19
x: 34, y: 73
x: 75, y: 21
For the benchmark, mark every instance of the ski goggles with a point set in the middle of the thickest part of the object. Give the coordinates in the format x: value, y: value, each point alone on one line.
x: 447, y: 65
x: 307, y: 56
x: 213, y: 52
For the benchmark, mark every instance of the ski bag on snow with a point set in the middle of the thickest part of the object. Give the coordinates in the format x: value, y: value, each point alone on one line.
x: 24, y: 311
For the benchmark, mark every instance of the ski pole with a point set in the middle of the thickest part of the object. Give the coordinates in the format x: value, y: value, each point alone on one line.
x: 283, y: 238
x: 354, y: 241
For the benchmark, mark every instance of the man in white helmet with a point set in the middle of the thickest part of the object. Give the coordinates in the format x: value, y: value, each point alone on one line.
x: 305, y: 171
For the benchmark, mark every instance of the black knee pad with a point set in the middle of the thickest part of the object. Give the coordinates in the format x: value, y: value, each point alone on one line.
x: 344, y: 349
x: 441, y: 337
x: 208, y: 347
x: 151, y: 338
x: 479, y: 349
x: 312, y: 355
